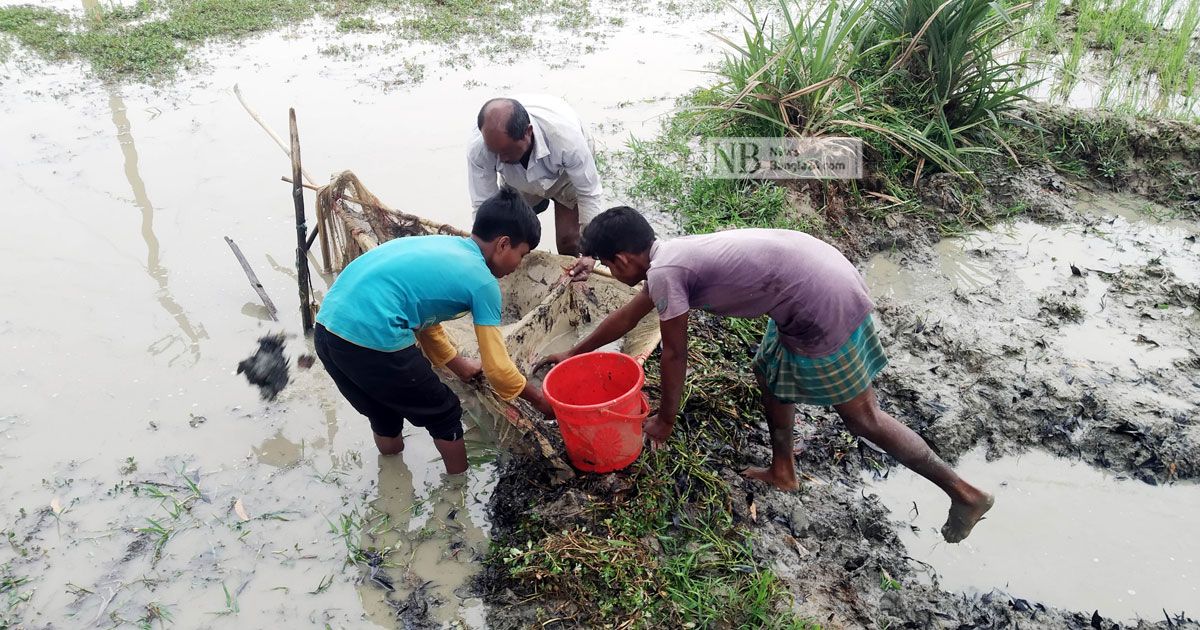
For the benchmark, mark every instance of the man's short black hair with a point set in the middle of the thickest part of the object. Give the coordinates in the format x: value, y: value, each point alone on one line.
x: 616, y: 230
x: 518, y: 120
x: 506, y: 214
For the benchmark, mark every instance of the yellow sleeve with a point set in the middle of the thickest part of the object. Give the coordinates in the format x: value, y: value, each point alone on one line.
x: 497, y: 366
x: 436, y: 345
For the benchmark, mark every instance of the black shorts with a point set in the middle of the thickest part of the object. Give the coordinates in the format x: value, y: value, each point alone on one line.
x: 388, y: 387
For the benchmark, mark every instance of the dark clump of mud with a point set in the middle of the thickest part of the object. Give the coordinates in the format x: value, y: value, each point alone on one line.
x: 267, y: 368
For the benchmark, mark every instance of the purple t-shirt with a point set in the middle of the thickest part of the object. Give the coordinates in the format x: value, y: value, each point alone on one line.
x: 816, y: 297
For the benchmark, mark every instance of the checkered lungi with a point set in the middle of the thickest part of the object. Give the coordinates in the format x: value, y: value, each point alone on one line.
x: 822, y: 381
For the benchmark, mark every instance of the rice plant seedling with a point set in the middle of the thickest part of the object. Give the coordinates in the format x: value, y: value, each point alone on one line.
x: 160, y: 533
x: 231, y: 603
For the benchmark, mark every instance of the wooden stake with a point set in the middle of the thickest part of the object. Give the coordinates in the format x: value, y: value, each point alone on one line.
x: 279, y: 141
x: 258, y: 287
x: 306, y: 314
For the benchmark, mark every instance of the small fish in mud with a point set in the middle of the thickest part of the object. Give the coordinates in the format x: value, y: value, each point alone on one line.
x: 266, y: 368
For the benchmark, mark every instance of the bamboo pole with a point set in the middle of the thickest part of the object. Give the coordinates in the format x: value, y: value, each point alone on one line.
x: 306, y: 314
x: 325, y: 253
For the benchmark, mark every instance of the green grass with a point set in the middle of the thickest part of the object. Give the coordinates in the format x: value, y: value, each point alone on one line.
x: 670, y: 553
x: 12, y: 597
x: 918, y: 78
x: 1135, y: 41
x: 149, y: 38
x: 42, y: 30
x: 152, y: 39
x: 356, y: 23
x: 951, y: 73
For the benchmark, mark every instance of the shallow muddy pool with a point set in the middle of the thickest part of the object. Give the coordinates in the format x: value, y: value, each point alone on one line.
x: 1078, y: 337
x: 1074, y: 270
x: 1063, y: 534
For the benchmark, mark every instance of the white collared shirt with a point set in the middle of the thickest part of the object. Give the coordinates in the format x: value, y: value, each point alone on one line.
x: 560, y: 146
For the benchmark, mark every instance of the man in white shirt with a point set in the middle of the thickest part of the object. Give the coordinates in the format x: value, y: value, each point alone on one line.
x: 538, y: 146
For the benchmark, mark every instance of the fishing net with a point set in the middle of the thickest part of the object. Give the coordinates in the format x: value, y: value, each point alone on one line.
x: 352, y: 221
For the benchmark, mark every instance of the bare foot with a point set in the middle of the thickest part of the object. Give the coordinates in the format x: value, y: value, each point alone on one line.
x: 964, y: 516
x: 771, y: 477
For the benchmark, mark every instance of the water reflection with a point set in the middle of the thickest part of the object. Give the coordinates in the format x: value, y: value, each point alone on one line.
x: 184, y: 344
x: 421, y: 551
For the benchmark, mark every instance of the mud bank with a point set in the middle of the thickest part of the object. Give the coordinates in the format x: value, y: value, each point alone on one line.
x: 1073, y: 334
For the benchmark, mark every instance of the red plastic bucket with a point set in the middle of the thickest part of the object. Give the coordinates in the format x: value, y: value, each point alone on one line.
x: 600, y: 406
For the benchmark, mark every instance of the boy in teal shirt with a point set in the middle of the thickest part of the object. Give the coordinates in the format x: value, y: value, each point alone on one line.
x: 386, y: 307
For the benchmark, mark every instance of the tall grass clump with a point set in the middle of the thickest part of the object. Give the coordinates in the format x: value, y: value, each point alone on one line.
x: 923, y: 77
x: 951, y: 65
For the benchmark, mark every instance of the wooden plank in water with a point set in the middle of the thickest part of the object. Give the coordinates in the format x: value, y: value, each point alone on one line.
x: 258, y: 287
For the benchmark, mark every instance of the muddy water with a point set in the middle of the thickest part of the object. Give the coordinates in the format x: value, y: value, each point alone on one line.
x: 565, y: 337
x: 1062, y: 533
x: 1035, y: 260
x: 124, y: 312
x: 1004, y: 308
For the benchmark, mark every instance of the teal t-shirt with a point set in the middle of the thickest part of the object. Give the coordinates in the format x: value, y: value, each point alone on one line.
x: 383, y: 297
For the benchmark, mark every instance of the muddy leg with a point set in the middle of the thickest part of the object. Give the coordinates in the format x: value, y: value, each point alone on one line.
x: 454, y: 455
x: 389, y: 445
x: 566, y: 229
x: 781, y: 417
x: 968, y: 504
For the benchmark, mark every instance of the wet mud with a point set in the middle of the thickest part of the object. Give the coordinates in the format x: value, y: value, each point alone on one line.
x: 125, y: 315
x: 1070, y: 332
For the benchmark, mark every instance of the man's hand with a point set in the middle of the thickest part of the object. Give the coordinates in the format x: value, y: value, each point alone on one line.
x: 465, y: 369
x: 582, y: 269
x: 550, y: 361
x: 658, y: 430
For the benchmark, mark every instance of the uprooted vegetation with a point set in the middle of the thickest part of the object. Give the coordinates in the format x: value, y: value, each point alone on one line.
x: 661, y: 544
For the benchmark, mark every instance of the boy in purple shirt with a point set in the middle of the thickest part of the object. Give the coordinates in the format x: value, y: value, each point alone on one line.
x: 820, y: 347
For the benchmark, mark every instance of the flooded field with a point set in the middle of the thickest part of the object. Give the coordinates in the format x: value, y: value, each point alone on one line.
x: 125, y: 314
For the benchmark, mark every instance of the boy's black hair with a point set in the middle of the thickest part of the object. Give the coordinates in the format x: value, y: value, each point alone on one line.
x: 518, y: 119
x: 506, y: 214
x: 616, y: 230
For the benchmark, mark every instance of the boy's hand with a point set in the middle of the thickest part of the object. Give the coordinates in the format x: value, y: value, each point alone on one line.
x: 658, y: 430
x: 465, y: 369
x: 582, y: 269
x: 550, y: 361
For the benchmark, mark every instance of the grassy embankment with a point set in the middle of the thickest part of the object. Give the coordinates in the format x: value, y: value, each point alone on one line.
x: 928, y: 91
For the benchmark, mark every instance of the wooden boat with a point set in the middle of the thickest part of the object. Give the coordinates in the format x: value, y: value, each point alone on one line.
x: 542, y: 310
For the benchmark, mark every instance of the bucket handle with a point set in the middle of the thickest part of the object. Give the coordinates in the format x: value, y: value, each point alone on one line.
x: 641, y: 415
